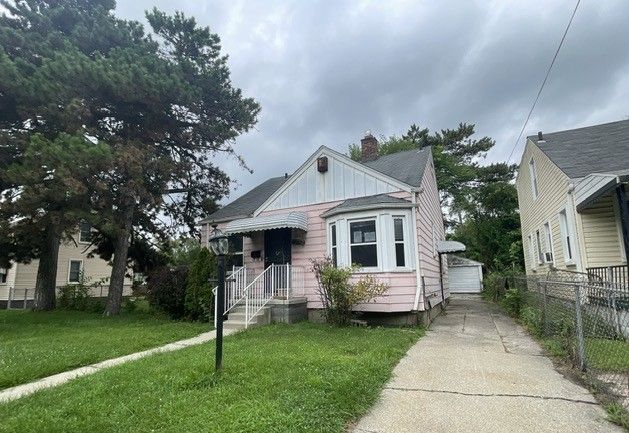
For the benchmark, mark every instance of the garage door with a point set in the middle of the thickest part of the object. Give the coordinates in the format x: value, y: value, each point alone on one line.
x: 464, y: 279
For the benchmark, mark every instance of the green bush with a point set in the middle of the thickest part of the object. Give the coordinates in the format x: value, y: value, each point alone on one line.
x: 166, y: 290
x: 532, y: 319
x: 338, y: 295
x: 494, y: 287
x: 78, y: 297
x: 199, y: 302
x: 513, y: 302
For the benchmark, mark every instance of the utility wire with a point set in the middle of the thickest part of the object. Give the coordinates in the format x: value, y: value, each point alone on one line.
x: 528, y: 117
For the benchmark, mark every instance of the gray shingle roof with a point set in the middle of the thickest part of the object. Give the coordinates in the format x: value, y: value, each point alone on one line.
x: 407, y: 166
x: 461, y: 261
x: 245, y: 205
x: 370, y: 202
x: 593, y: 149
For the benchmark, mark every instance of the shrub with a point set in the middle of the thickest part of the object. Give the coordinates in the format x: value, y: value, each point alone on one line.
x: 199, y: 298
x: 166, y: 290
x: 494, y: 287
x: 338, y: 295
x: 513, y: 301
x: 532, y: 319
x: 78, y: 296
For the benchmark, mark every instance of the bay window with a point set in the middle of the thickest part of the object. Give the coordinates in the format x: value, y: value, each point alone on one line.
x: 374, y: 241
x: 363, y: 243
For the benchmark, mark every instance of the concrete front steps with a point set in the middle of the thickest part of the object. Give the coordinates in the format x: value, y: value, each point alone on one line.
x: 236, y: 318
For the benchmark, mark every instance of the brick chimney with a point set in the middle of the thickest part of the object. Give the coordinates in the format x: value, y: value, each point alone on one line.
x: 368, y: 147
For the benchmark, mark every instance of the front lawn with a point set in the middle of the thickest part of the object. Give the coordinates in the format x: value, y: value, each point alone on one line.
x: 607, y: 355
x: 35, y: 345
x: 277, y: 378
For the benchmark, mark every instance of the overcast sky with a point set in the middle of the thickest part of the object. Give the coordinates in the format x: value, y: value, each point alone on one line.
x: 324, y: 72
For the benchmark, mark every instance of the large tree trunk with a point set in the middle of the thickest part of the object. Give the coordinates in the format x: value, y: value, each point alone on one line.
x: 119, y: 264
x: 46, y: 282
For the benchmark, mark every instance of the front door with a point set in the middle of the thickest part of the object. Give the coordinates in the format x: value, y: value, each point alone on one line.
x: 277, y: 247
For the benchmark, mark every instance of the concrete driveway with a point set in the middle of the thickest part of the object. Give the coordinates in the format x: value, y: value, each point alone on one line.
x: 476, y: 370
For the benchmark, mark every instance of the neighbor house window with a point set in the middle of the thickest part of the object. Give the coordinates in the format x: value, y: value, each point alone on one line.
x: 566, y: 236
x: 333, y: 243
x: 398, y: 234
x: 540, y: 252
x: 532, y: 252
x: 363, y: 243
x: 3, y: 275
x: 533, y: 173
x: 85, y: 232
x: 235, y: 250
x: 75, y: 270
x: 548, y: 253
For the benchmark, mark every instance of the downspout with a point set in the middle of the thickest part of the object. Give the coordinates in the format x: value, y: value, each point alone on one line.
x: 624, y: 215
x: 443, y: 296
x: 418, y: 271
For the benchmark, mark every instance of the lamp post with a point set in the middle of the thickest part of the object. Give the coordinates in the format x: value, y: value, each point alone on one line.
x: 219, y: 244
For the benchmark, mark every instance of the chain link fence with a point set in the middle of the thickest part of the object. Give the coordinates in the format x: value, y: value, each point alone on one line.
x: 582, y: 319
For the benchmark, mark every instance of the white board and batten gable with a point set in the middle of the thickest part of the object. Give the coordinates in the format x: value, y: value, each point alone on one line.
x: 344, y: 179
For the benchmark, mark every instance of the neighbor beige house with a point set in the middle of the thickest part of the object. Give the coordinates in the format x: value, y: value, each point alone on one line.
x: 17, y: 283
x: 573, y: 208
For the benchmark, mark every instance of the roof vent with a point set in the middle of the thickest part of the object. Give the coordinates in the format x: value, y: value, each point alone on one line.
x: 285, y: 175
x: 540, y: 136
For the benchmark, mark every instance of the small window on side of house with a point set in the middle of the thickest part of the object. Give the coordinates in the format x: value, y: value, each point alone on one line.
x: 75, y: 270
x: 236, y: 251
x: 85, y: 232
x: 3, y: 275
x: 333, y: 245
x: 398, y: 235
x: 533, y: 173
x: 566, y: 236
x: 532, y: 252
x: 540, y: 252
x: 548, y: 251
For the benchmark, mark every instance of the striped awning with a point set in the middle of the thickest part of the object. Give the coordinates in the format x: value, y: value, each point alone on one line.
x: 292, y: 220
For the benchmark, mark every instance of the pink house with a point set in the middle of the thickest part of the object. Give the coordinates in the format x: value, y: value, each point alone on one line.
x: 382, y: 213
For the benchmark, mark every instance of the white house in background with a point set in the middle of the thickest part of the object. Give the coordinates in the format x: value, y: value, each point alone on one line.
x: 464, y: 275
x: 17, y: 283
x: 573, y: 203
x: 381, y: 213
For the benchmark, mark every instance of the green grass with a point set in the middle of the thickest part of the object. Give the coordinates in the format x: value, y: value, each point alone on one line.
x: 618, y: 414
x: 35, y: 345
x: 277, y: 378
x: 607, y: 355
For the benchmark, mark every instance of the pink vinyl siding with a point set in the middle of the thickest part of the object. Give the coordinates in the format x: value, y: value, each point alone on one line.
x: 429, y: 220
x: 401, y: 294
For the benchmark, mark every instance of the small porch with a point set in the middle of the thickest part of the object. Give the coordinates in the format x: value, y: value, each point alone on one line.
x: 265, y: 285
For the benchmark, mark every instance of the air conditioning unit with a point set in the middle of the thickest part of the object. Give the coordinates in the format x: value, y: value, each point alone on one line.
x: 548, y: 257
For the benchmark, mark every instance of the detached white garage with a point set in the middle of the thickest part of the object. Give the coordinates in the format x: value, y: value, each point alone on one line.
x: 464, y: 275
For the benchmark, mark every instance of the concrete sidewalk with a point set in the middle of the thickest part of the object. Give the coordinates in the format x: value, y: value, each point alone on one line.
x: 476, y: 370
x: 58, y: 379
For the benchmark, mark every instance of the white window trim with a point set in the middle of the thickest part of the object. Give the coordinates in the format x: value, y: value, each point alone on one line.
x: 621, y: 241
x: 534, y: 180
x: 385, y: 244
x: 532, y: 252
x: 404, y: 240
x: 70, y: 267
x: 377, y: 242
x: 539, y: 251
x: 566, y: 232
x: 548, y: 236
x: 82, y: 241
x: 331, y: 246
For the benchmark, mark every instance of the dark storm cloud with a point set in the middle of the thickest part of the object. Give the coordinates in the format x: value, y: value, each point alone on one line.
x: 324, y: 72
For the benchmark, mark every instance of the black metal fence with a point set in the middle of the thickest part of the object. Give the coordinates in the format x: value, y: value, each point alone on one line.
x: 584, y: 321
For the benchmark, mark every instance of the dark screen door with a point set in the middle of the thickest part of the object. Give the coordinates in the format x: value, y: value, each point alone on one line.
x: 277, y: 247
